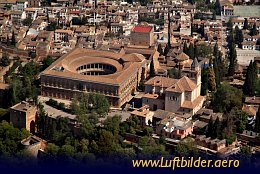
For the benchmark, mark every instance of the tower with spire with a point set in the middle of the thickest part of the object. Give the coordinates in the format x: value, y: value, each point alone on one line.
x: 195, y: 73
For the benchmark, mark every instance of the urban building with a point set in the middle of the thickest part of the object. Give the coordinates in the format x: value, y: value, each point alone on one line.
x: 144, y: 115
x: 116, y: 75
x: 175, y: 95
x: 22, y: 115
x: 142, y: 35
x: 175, y: 128
x: 207, y: 142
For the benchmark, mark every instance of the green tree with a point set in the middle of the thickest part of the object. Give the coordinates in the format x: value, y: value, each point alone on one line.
x: 13, y: 41
x: 87, y: 128
x: 142, y: 81
x: 215, y: 50
x: 217, y: 132
x: 148, y: 131
x: 10, y: 138
x: 232, y: 57
x: 186, y: 148
x: 166, y: 50
x: 84, y: 143
x: 105, y: 142
x: 249, y: 87
x: 89, y: 103
x: 5, y: 61
x: 15, y: 89
x: 226, y: 97
x: 214, y: 15
x: 8, y: 43
x: 27, y: 22
x: 257, y: 121
x: 67, y: 151
x: 112, y: 124
x: 185, y: 48
x: 258, y: 86
x: 46, y: 62
x: 191, y: 51
x: 211, y: 79
x: 254, y: 30
x: 30, y: 69
x: 220, y: 69
x: 174, y: 73
x: 230, y: 24
x: 196, y: 51
x: 231, y: 139
x: 52, y: 26
x: 245, y: 27
x: 238, y: 36
x: 162, y: 139
x: 159, y: 49
x: 152, y: 69
x: 204, y: 81
x: 52, y: 149
x: 240, y: 119
x: 210, y: 128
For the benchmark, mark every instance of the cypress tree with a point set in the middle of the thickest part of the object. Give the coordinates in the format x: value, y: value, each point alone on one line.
x: 249, y: 86
x: 191, y: 51
x: 196, y: 51
x: 204, y: 81
x: 159, y: 49
x: 210, y: 127
x: 152, y: 70
x: 185, y: 48
x: 214, y: 17
x: 211, y: 79
x: 232, y: 56
x: 238, y: 36
x: 215, y: 50
x: 245, y: 24
x: 7, y: 41
x: 254, y: 30
x: 257, y: 121
x: 216, y: 129
x: 217, y: 7
x: 230, y: 24
x: 166, y: 50
x: 13, y: 42
x: 217, y: 73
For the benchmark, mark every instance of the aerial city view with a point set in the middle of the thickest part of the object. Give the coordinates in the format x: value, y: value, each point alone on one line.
x: 114, y: 82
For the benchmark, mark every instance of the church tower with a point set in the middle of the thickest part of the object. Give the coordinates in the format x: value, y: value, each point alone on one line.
x: 195, y: 73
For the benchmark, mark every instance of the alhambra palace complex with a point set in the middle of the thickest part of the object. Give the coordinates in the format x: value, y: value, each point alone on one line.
x: 117, y: 75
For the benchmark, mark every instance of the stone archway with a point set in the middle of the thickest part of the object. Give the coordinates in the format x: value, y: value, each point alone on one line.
x: 32, y: 127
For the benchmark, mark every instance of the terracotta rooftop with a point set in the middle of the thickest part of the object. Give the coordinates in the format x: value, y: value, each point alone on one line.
x: 252, y: 100
x: 142, y: 29
x: 182, y: 56
x: 161, y: 81
x: 192, y: 104
x: 125, y: 65
x: 183, y: 84
x: 250, y: 109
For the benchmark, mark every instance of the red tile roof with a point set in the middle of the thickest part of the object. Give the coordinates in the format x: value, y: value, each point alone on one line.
x: 142, y: 29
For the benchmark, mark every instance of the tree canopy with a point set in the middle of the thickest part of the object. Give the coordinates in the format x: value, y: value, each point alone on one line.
x: 5, y: 61
x: 89, y: 103
x: 10, y: 138
x: 249, y: 87
x: 226, y: 97
x: 27, y: 22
